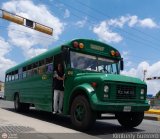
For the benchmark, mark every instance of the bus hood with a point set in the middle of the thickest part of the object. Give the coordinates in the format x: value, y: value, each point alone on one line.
x: 111, y: 77
x: 122, y: 78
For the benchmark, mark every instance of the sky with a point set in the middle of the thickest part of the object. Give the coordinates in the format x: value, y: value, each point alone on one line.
x: 131, y: 26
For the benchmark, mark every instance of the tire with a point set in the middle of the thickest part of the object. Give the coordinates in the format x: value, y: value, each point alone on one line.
x: 131, y: 119
x: 82, y: 117
x: 18, y: 106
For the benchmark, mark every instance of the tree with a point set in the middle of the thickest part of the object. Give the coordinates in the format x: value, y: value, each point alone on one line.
x: 158, y: 95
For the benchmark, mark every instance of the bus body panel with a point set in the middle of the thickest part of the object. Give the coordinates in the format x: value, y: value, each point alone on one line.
x: 38, y: 89
x: 83, y: 89
x: 81, y: 82
x: 34, y: 90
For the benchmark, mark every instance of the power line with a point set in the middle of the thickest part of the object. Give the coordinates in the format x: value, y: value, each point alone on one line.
x: 142, y: 40
x: 129, y: 37
x: 135, y: 56
x: 104, y: 14
x: 51, y: 38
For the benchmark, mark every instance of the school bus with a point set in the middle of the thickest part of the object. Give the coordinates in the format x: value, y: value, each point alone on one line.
x: 92, y: 86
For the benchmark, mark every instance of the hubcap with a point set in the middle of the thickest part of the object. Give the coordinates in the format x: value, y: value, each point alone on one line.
x: 79, y: 113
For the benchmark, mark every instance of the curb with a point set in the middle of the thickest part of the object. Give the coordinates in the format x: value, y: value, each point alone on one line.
x: 152, y: 117
x: 153, y: 111
x: 152, y: 114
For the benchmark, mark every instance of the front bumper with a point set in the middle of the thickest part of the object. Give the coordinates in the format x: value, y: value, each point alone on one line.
x: 119, y: 106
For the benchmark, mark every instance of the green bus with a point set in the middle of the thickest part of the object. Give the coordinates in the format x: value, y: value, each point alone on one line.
x: 92, y: 86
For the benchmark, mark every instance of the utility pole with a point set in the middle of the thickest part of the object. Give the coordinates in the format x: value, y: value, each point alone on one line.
x: 144, y: 74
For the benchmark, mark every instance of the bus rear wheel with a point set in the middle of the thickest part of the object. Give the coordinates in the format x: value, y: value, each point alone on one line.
x: 130, y: 119
x: 18, y: 106
x: 82, y: 116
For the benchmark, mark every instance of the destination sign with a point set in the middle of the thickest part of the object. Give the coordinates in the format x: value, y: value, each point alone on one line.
x: 96, y: 47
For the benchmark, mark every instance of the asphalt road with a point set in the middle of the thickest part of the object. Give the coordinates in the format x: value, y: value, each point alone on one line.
x: 105, y: 129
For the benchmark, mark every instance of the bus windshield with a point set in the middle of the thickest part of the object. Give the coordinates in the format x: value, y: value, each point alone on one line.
x: 94, y: 63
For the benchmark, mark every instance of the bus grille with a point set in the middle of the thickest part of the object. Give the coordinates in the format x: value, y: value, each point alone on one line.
x: 125, y: 92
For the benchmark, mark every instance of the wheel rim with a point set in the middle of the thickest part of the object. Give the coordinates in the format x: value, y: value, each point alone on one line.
x: 79, y: 113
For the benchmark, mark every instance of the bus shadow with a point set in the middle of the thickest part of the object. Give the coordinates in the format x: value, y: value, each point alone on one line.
x: 46, y: 116
x: 100, y: 127
x: 104, y: 127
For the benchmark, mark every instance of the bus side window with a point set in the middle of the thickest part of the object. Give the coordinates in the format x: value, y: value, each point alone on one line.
x: 29, y: 71
x: 12, y: 76
x: 20, y: 73
x: 41, y: 68
x: 35, y: 71
x: 49, y: 60
x: 49, y: 68
x: 49, y: 65
x: 24, y: 72
x: 16, y: 75
x: 35, y: 68
x: 7, y: 78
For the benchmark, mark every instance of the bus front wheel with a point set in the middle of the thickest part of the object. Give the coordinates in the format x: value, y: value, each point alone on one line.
x: 82, y: 116
x: 130, y: 119
x: 18, y: 106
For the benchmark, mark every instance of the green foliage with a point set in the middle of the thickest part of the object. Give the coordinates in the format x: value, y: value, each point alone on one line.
x: 158, y: 94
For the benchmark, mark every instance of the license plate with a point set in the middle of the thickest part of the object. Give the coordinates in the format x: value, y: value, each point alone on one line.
x: 127, y: 108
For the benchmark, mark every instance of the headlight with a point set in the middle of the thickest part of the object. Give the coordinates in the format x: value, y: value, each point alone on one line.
x: 142, y: 91
x: 106, y: 89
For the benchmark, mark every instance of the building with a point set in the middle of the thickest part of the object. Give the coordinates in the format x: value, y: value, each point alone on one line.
x: 1, y: 89
x: 149, y: 96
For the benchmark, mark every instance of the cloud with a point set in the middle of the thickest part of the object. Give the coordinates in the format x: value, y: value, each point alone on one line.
x: 148, y: 23
x: 66, y: 13
x: 133, y: 21
x: 5, y: 63
x: 104, y: 33
x: 118, y: 22
x: 30, y: 39
x: 104, y: 29
x: 152, y: 71
x: 81, y: 23
x: 34, y: 51
x: 125, y: 56
x: 4, y: 47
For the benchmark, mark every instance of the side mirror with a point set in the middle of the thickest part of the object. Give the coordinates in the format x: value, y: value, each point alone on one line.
x: 121, y: 64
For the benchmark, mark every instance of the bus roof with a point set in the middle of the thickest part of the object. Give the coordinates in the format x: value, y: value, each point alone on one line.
x: 57, y: 50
